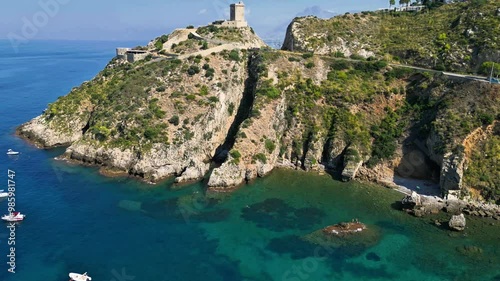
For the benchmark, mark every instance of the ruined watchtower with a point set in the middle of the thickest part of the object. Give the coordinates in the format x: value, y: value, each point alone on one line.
x: 237, y: 18
x: 238, y: 12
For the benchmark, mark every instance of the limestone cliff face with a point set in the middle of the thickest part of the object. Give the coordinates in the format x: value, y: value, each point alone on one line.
x: 460, y: 37
x: 451, y: 172
x: 318, y: 40
x: 42, y: 135
x: 152, y: 120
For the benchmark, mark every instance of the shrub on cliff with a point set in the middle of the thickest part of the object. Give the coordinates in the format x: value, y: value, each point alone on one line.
x: 174, y: 120
x: 193, y: 70
x: 260, y: 157
x: 234, y: 55
x: 270, y: 146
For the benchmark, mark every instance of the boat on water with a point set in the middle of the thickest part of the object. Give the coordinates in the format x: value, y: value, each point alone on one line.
x: 3, y: 194
x: 13, y: 217
x: 12, y: 152
x: 79, y: 277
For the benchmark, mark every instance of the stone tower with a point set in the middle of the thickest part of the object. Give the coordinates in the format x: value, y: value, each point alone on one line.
x: 238, y: 12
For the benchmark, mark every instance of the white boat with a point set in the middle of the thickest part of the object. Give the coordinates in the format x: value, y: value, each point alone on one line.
x: 3, y: 194
x: 79, y: 277
x: 12, y: 217
x: 12, y: 152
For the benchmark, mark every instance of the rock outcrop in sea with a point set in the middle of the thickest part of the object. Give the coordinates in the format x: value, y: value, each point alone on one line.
x: 457, y: 222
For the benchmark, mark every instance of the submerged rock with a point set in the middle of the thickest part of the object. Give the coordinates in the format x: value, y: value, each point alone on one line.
x: 373, y: 257
x: 470, y: 251
x: 457, y: 222
x: 277, y: 215
x: 345, y: 228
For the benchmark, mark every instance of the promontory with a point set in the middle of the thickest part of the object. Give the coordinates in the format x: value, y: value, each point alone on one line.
x: 342, y: 95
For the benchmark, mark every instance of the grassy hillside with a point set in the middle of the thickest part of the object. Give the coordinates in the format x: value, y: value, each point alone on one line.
x: 458, y: 37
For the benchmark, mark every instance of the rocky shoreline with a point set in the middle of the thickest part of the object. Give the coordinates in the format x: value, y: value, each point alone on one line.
x: 421, y: 205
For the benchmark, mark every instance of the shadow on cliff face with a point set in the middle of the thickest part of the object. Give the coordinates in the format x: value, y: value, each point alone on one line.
x: 416, y: 162
x: 244, y: 110
x: 417, y: 171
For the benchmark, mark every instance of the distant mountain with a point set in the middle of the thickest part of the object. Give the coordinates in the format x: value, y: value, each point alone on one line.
x: 317, y: 11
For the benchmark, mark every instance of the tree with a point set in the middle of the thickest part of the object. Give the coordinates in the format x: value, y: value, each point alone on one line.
x: 402, y: 2
x: 392, y: 3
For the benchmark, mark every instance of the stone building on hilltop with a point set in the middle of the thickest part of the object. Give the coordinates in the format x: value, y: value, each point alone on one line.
x: 237, y: 18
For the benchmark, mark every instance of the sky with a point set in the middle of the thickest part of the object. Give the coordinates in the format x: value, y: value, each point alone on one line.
x: 123, y: 20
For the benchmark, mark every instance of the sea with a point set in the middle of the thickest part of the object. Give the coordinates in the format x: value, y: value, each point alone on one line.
x: 121, y: 229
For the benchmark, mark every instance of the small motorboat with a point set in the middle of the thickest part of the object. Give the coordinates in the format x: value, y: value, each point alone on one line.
x: 12, y: 152
x: 3, y: 194
x: 79, y: 277
x: 13, y: 217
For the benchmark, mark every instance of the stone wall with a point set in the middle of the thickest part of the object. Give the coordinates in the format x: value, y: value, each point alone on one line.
x: 121, y: 53
x: 133, y: 56
x: 236, y: 24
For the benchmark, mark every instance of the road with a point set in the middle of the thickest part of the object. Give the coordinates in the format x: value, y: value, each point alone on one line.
x: 231, y: 46
x: 450, y: 74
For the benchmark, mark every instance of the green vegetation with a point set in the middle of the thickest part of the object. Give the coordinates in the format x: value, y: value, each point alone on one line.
x: 488, y: 67
x: 204, y: 90
x: 483, y: 170
x: 236, y: 155
x: 230, y: 109
x: 444, y: 37
x: 310, y: 64
x: 126, y: 114
x: 224, y: 33
x: 385, y: 136
x: 160, y: 41
x: 366, y: 107
x: 267, y: 89
x: 270, y: 146
x: 193, y: 70
x: 234, y: 55
x: 260, y: 157
x: 174, y: 120
x: 307, y: 55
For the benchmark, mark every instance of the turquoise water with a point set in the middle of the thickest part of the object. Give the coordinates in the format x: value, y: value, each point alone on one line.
x: 80, y: 221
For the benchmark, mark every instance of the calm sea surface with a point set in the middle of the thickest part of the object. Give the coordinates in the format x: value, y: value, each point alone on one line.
x: 124, y: 230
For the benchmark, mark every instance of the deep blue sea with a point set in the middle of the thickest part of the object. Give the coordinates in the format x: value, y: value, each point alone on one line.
x: 120, y: 229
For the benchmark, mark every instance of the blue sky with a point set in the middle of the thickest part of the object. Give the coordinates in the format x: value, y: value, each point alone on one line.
x: 146, y: 19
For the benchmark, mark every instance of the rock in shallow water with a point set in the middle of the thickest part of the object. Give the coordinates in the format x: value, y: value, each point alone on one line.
x: 457, y: 222
x: 411, y: 201
x: 345, y: 228
x: 470, y: 251
x: 353, y: 234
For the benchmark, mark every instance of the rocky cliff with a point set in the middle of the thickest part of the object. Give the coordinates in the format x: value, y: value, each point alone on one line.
x: 455, y: 37
x: 245, y: 112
